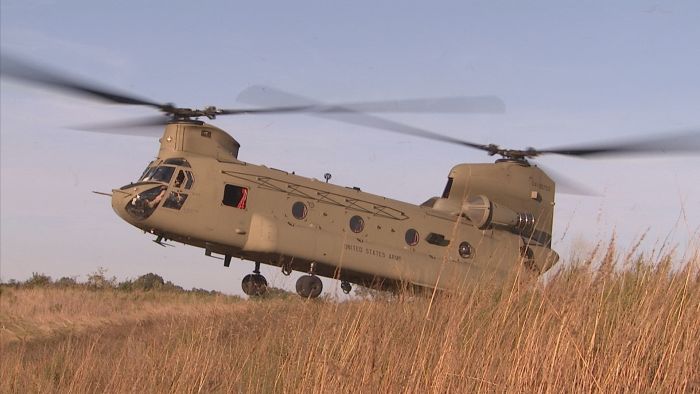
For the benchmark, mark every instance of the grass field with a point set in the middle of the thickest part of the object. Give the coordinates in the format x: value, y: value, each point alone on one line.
x: 584, y: 330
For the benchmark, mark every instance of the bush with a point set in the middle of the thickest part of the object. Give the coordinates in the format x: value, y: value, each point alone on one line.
x: 66, y: 282
x: 97, y: 280
x: 38, y: 280
x: 147, y: 282
x: 170, y: 286
x: 126, y: 285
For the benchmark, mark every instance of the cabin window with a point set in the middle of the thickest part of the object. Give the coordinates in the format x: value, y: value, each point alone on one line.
x: 412, y: 237
x: 465, y: 250
x: 235, y: 196
x: 437, y: 239
x: 175, y: 200
x: 299, y: 210
x: 448, y: 188
x: 357, y: 224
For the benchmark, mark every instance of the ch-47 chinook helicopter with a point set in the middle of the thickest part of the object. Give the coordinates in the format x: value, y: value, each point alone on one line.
x: 490, y: 218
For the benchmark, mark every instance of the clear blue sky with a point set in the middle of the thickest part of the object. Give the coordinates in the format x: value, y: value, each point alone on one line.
x: 568, y: 71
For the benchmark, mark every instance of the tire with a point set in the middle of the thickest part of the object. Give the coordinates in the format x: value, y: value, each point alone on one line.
x: 309, y: 286
x: 254, y: 285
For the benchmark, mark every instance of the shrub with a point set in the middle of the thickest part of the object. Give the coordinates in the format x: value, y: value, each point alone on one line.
x: 66, y: 282
x: 98, y: 280
x: 38, y: 280
x: 126, y: 285
x: 147, y: 282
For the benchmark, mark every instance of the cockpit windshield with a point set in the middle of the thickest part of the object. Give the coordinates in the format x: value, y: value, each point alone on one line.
x: 158, y: 174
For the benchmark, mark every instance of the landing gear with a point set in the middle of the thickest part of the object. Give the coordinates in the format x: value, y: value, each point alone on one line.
x: 254, y: 284
x: 287, y: 269
x: 346, y: 287
x: 309, y: 286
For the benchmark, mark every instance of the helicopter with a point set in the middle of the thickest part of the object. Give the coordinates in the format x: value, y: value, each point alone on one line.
x: 491, y: 219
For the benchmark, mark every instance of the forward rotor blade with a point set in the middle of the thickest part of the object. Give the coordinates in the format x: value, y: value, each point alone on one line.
x: 376, y: 122
x: 674, y: 143
x: 258, y: 95
x: 21, y: 70
x: 287, y: 102
x: 151, y: 126
x: 271, y: 110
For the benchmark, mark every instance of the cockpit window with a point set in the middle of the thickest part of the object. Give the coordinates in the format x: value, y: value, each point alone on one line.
x: 190, y: 180
x: 143, y: 204
x: 177, y: 161
x: 179, y: 179
x: 147, y: 173
x: 143, y: 175
x: 159, y: 174
x: 175, y: 200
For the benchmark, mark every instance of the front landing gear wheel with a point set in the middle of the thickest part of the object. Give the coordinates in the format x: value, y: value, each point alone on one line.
x: 346, y: 287
x: 309, y: 286
x: 254, y: 285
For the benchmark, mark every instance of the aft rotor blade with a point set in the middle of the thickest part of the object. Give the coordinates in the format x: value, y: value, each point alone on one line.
x: 671, y: 143
x: 22, y: 70
x: 566, y: 185
x: 151, y: 126
x: 258, y: 95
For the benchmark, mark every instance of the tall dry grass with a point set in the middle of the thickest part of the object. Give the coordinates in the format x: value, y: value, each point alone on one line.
x: 583, y: 330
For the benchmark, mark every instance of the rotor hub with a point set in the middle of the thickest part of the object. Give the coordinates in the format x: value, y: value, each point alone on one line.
x: 179, y: 113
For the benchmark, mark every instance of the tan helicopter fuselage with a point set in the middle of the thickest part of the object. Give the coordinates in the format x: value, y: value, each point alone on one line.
x: 491, y: 218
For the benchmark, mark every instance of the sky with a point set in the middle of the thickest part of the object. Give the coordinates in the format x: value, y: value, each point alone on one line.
x: 568, y: 71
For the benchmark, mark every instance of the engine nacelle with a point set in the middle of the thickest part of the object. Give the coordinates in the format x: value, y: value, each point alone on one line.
x: 485, y: 213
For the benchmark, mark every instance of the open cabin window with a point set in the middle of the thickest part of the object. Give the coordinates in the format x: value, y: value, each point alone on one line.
x: 235, y: 196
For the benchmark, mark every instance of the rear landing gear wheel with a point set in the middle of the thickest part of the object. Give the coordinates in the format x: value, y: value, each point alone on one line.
x: 309, y: 286
x: 254, y: 285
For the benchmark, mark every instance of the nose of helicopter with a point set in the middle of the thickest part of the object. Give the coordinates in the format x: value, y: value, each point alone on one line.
x: 120, y: 199
x: 135, y: 203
